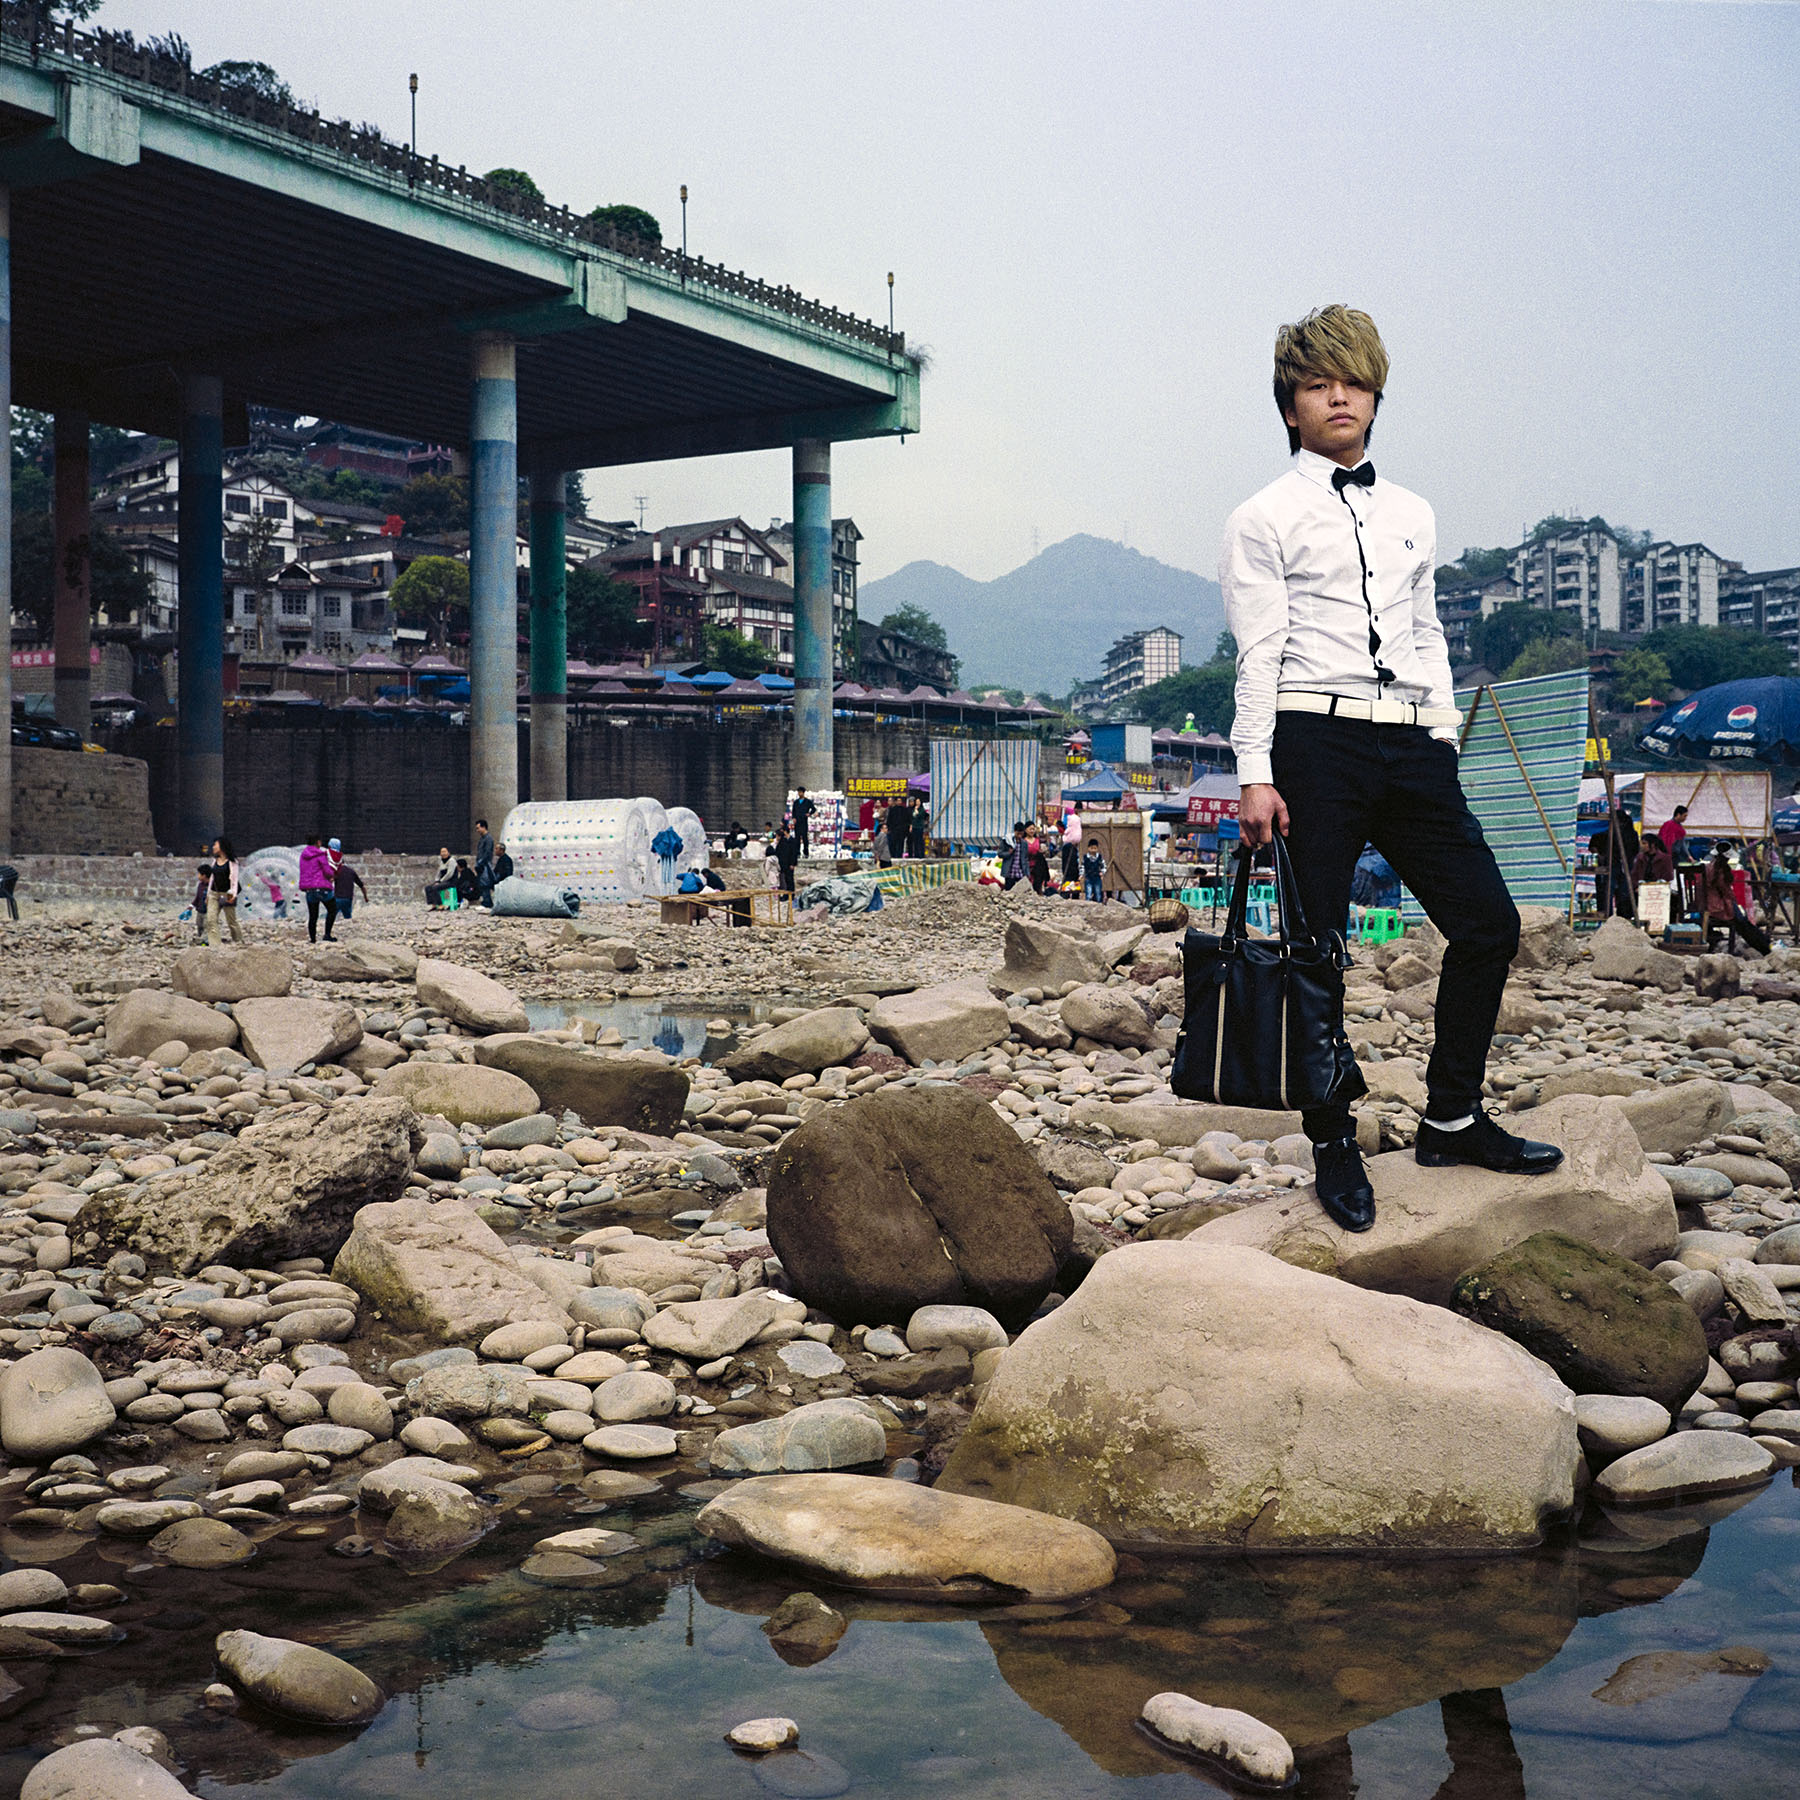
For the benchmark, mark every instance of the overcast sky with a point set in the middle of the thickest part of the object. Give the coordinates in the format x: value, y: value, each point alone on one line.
x: 1575, y: 224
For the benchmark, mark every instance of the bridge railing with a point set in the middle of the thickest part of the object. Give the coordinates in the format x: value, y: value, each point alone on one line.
x: 27, y: 33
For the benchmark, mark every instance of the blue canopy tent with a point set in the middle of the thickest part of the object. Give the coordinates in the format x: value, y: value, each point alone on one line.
x: 1102, y: 787
x: 1756, y: 720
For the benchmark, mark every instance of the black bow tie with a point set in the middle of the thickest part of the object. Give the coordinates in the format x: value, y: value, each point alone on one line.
x: 1363, y: 475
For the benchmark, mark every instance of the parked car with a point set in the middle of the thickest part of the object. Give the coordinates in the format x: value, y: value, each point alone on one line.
x: 32, y: 734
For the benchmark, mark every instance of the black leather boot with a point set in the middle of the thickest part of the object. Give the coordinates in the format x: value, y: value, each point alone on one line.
x: 1342, y: 1184
x: 1483, y: 1145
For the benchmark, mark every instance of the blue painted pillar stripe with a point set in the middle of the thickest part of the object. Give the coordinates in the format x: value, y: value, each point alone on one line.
x: 200, y: 632
x: 549, y: 635
x: 494, y: 582
x: 812, y: 614
x: 6, y: 571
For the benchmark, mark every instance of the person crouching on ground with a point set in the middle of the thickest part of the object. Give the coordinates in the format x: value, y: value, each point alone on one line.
x: 1345, y: 735
x: 344, y: 883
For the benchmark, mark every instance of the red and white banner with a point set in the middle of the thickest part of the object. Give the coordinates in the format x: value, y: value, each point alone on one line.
x: 1208, y: 809
x: 46, y: 659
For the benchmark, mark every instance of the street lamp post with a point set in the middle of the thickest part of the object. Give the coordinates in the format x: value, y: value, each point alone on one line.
x: 412, y: 84
x: 684, y: 234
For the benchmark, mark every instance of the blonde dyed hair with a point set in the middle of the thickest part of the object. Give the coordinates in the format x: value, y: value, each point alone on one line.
x: 1330, y: 340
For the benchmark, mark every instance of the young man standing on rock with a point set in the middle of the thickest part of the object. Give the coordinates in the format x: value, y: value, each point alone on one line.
x: 1346, y: 733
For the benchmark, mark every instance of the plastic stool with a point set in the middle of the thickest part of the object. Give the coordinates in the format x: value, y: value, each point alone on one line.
x: 1261, y: 914
x: 1381, y: 925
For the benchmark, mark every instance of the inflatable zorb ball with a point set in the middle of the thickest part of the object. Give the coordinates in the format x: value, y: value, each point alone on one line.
x: 656, y: 822
x: 600, y: 848
x: 695, y: 852
x: 279, y: 863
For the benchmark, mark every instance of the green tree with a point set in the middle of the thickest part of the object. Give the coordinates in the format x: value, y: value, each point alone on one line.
x: 432, y: 592
x: 1474, y: 565
x: 1640, y: 675
x: 1498, y: 639
x: 628, y: 221
x: 434, y: 504
x: 514, y: 182
x: 1547, y: 656
x: 1208, y: 692
x: 916, y: 623
x: 1700, y: 655
x: 733, y: 652
x: 1225, y: 648
x: 603, y: 615
x: 251, y: 81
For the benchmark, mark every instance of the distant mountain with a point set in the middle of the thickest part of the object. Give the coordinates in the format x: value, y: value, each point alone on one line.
x: 1049, y: 623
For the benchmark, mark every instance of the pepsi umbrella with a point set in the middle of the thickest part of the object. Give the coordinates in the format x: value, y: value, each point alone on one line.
x: 1754, y: 720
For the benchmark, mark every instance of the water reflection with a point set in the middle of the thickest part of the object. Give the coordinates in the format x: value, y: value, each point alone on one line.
x: 675, y: 1028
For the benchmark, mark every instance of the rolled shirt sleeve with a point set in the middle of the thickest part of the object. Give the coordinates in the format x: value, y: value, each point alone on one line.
x: 1254, y: 585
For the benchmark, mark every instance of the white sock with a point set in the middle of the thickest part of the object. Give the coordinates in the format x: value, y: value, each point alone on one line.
x: 1461, y: 1124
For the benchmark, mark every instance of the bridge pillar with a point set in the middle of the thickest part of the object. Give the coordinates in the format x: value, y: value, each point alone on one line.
x: 549, y: 635
x: 6, y: 786
x: 71, y: 572
x: 200, y: 630
x: 812, y: 615
x: 494, y: 581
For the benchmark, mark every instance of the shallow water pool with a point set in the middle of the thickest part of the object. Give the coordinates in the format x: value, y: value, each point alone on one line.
x: 676, y: 1028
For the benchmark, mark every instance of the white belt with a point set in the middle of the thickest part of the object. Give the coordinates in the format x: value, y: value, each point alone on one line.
x: 1377, y: 712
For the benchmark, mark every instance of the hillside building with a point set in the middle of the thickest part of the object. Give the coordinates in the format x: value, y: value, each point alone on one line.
x: 1575, y: 572
x: 892, y: 659
x: 1140, y: 659
x: 1675, y: 584
x: 1765, y: 601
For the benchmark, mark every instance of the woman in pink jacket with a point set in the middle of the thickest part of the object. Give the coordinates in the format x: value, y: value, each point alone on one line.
x: 317, y: 882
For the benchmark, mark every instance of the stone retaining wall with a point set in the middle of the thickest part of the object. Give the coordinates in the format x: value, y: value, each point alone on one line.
x: 160, y: 880
x: 78, y: 802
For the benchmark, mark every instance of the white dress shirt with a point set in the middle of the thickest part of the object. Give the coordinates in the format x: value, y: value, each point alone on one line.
x: 1292, y: 573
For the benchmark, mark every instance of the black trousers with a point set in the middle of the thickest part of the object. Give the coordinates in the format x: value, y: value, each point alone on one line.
x: 1348, y: 782
x: 315, y: 898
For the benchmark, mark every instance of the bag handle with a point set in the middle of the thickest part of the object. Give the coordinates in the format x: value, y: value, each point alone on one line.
x: 1291, y: 915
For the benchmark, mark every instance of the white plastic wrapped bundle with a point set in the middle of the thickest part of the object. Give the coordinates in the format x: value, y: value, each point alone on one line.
x: 695, y: 853
x: 656, y: 821
x: 600, y: 848
x: 279, y: 863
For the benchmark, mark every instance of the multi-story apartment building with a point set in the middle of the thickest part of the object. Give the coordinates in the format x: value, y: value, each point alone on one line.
x: 1140, y: 659
x: 844, y: 539
x: 1578, y: 572
x: 1460, y: 604
x: 1766, y: 601
x: 1674, y: 584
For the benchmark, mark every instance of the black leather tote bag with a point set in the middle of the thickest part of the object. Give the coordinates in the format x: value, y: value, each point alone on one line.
x: 1264, y: 1019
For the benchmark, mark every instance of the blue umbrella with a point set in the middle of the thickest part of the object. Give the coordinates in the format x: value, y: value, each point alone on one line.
x: 1755, y: 720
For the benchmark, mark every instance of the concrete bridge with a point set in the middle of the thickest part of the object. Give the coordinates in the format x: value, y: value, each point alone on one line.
x: 171, y: 251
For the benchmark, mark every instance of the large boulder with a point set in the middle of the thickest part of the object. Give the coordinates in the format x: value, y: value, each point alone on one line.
x: 913, y: 1197
x: 1189, y: 1394
x: 362, y: 962
x: 288, y: 1187
x: 1546, y: 939
x: 1673, y: 1117
x: 803, y: 1046
x: 435, y: 1268
x: 638, y: 1092
x: 288, y: 1034
x: 1432, y: 1224
x: 1604, y: 1324
x: 1042, y: 955
x: 913, y: 1543
x: 51, y: 1402
x: 467, y: 998
x: 941, y: 1024
x: 100, y: 1769
x: 248, y: 973
x: 1108, y: 1015
x: 1623, y: 952
x: 149, y: 1017
x: 460, y: 1092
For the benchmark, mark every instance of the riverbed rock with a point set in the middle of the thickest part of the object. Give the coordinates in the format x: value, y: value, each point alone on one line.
x: 1690, y: 1465
x: 828, y: 1434
x: 364, y: 961
x: 639, y: 1093
x: 1180, y: 1124
x: 915, y: 1543
x: 248, y: 972
x: 1108, y: 1015
x: 100, y: 1769
x: 803, y: 1046
x: 1039, y: 954
x: 1611, y: 1424
x: 296, y: 1679
x: 1546, y: 940
x: 1623, y: 951
x: 1605, y: 1324
x: 943, y: 1023
x: 1673, y: 1117
x: 435, y: 1268
x: 288, y: 1187
x: 703, y: 1329
x: 147, y: 1017
x: 51, y: 1402
x: 431, y: 1518
x: 1433, y: 1224
x: 1246, y: 1746
x: 912, y: 1198
x: 461, y: 1093
x: 202, y: 1544
x: 468, y: 998
x: 288, y: 1033
x: 1211, y: 1396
